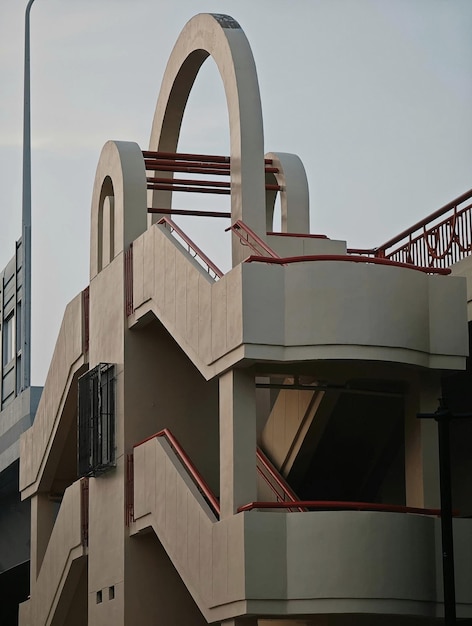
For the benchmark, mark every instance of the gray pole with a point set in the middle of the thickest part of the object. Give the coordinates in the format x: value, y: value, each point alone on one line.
x: 26, y: 216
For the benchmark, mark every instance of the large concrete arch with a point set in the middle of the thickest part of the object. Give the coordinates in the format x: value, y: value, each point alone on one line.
x: 120, y: 190
x: 220, y: 37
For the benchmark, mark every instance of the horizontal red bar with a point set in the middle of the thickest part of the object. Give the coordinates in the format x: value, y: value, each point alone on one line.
x: 348, y: 258
x: 307, y: 235
x: 190, y: 181
x: 162, y: 187
x: 327, y: 505
x: 188, y: 156
x: 188, y: 169
x: 195, y: 168
x: 189, y: 212
x: 156, y: 164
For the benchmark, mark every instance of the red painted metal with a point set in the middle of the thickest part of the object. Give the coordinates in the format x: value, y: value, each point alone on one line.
x: 147, y: 154
x: 201, y: 183
x: 189, y: 212
x: 430, y: 242
x: 155, y: 166
x: 129, y: 505
x: 327, y: 505
x: 346, y: 258
x: 86, y: 310
x: 192, y: 247
x: 249, y: 238
x: 196, y: 168
x: 129, y: 307
x: 190, y: 181
x: 189, y: 466
x: 157, y: 163
x: 185, y: 189
x: 84, y: 510
x: 286, y: 494
x: 304, y: 235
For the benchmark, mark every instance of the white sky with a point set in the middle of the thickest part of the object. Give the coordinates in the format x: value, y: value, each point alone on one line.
x: 375, y: 96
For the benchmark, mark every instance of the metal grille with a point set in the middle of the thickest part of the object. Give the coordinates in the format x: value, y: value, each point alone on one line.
x: 96, y: 437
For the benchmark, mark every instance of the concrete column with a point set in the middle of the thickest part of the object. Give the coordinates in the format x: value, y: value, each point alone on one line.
x: 421, y: 443
x: 238, y: 484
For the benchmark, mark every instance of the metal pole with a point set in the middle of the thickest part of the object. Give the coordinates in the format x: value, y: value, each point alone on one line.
x: 26, y: 215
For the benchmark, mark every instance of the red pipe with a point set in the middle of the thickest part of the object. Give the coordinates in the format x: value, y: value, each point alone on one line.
x: 189, y: 242
x: 170, y: 187
x: 187, y: 169
x: 327, y: 505
x: 348, y: 258
x: 189, y: 212
x: 306, y: 235
x: 148, y: 154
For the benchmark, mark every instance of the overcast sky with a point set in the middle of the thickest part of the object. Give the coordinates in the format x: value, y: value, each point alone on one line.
x: 375, y: 96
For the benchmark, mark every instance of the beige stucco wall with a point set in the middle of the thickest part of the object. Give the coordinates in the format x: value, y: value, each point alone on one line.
x: 302, y: 311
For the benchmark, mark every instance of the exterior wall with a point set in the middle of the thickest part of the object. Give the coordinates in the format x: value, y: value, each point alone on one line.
x: 10, y: 322
x: 308, y: 310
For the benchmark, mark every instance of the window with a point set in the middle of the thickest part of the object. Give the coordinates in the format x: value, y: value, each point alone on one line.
x: 96, y: 441
x: 8, y: 340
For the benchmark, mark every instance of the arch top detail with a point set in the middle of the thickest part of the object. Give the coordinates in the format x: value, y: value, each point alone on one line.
x: 220, y: 37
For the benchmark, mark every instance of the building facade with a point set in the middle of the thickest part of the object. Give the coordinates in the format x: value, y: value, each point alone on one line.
x: 18, y: 404
x: 242, y: 448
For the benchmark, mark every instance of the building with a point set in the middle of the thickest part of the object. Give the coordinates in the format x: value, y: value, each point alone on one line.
x: 153, y: 499
x: 18, y: 403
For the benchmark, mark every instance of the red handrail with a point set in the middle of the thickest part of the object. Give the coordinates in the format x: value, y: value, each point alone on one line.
x: 327, y: 505
x: 239, y: 227
x: 191, y: 246
x: 427, y: 220
x: 347, y: 258
x: 84, y: 510
x: 289, y: 495
x: 451, y: 238
x: 189, y: 466
x: 304, y: 235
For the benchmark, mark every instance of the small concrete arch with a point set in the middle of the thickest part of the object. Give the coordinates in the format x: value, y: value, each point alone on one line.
x: 220, y: 37
x: 106, y: 225
x: 294, y: 196
x: 119, y: 203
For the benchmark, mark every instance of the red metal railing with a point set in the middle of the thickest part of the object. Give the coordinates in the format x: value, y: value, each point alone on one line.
x: 129, y: 494
x: 304, y: 235
x: 349, y: 258
x: 192, y: 248
x: 327, y: 505
x: 197, y: 478
x: 249, y: 238
x: 86, y: 312
x: 439, y: 240
x: 84, y: 510
x: 129, y: 307
x: 273, y: 479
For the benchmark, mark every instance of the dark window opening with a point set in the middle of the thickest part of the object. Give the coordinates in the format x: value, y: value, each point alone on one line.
x: 96, y: 441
